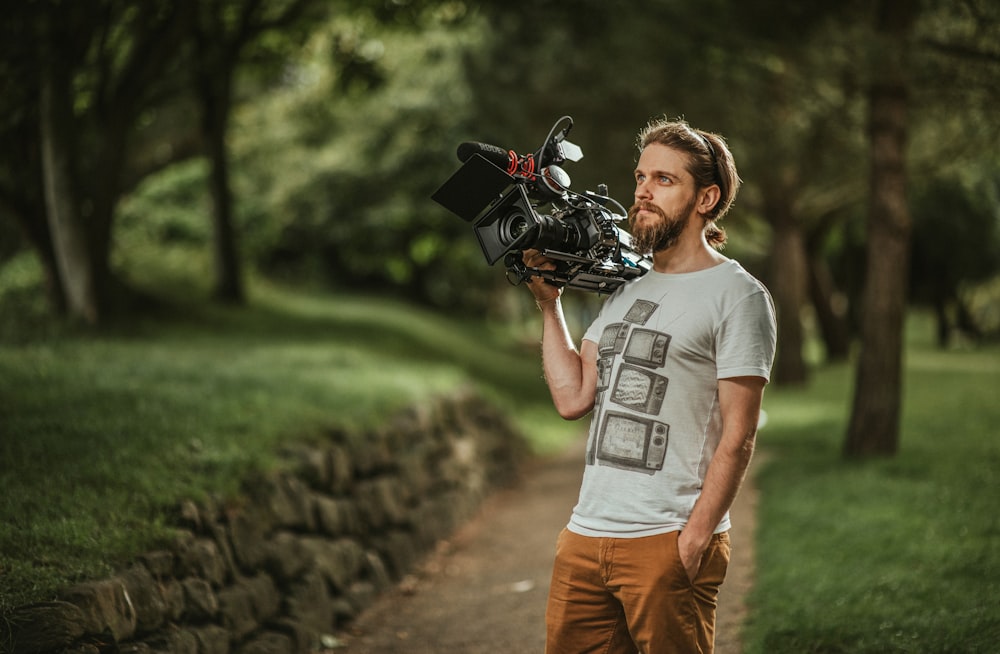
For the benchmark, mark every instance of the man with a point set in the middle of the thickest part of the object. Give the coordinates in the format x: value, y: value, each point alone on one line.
x: 674, y: 369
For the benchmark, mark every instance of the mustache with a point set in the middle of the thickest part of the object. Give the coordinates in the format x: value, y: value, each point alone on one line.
x: 644, y: 206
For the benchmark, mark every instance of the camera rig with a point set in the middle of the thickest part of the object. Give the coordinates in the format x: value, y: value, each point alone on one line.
x: 502, y: 193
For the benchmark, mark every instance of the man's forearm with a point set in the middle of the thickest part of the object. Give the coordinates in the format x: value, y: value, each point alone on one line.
x: 563, y: 364
x: 723, y: 479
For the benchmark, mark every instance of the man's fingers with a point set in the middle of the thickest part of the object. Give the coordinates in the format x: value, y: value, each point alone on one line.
x: 535, y: 259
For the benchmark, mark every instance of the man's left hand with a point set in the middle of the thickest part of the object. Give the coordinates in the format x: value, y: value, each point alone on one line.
x: 691, y: 554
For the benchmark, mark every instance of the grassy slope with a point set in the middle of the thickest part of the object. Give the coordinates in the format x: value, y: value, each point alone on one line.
x: 101, y: 436
x: 896, y: 555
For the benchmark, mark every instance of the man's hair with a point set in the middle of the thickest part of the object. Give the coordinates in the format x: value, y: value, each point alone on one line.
x: 709, y: 162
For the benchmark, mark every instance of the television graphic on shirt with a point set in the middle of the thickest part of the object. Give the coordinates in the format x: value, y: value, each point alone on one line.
x: 628, y: 432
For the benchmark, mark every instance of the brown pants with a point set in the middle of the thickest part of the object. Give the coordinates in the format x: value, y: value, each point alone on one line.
x: 628, y: 595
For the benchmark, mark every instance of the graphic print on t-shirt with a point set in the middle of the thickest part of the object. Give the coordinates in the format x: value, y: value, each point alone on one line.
x: 632, y: 443
x: 624, y: 439
x: 640, y: 311
x: 639, y: 389
x: 647, y: 348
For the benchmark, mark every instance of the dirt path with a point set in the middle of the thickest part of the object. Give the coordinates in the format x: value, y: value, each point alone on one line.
x: 484, y: 590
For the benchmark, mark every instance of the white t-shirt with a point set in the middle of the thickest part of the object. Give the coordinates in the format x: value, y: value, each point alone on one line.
x: 664, y: 341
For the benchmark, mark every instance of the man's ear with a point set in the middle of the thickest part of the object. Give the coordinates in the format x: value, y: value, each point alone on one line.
x: 710, y: 197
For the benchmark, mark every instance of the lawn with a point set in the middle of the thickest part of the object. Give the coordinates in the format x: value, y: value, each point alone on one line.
x: 884, y: 556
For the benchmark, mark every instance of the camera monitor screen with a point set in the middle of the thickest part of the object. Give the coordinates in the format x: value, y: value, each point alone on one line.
x: 472, y: 188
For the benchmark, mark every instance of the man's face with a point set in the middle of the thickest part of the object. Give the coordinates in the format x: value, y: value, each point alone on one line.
x: 664, y: 199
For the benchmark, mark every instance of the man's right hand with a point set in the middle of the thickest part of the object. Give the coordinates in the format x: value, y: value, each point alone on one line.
x: 542, y: 290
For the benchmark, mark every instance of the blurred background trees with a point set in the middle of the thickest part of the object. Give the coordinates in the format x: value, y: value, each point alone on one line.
x: 168, y: 142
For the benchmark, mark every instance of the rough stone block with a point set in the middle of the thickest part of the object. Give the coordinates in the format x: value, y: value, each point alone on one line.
x: 211, y: 639
x: 160, y: 563
x: 189, y: 516
x: 248, y: 531
x: 304, y: 639
x: 312, y: 466
x: 286, y: 559
x: 202, y: 558
x: 81, y: 648
x: 219, y: 532
x: 264, y: 596
x: 200, y: 601
x: 399, y: 551
x: 173, y: 597
x: 286, y: 502
x: 236, y: 608
x: 147, y: 599
x: 338, y: 560
x: 414, y: 474
x: 42, y: 627
x: 172, y: 641
x: 269, y: 642
x: 376, y: 572
x: 106, y: 608
x: 390, y: 496
x: 309, y: 602
x: 329, y: 515
x: 361, y: 595
x: 341, y: 469
x: 369, y: 506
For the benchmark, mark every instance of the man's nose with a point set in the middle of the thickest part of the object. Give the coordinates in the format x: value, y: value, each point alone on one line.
x: 642, y: 191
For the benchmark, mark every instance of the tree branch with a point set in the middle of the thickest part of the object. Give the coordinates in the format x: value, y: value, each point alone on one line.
x: 961, y: 51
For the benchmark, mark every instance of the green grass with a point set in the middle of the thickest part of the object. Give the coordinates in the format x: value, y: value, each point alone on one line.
x: 891, y: 555
x: 102, y: 435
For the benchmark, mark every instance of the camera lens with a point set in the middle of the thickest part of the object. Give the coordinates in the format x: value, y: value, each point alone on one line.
x: 512, y: 227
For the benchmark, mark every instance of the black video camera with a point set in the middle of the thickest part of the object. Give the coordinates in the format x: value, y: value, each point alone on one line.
x: 500, y: 192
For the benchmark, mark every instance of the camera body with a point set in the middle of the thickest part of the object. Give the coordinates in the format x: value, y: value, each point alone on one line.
x: 528, y: 205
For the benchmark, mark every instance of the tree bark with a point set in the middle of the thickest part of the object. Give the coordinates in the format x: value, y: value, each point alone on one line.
x: 787, y: 282
x: 70, y: 240
x: 875, y: 417
x: 830, y: 318
x: 215, y: 98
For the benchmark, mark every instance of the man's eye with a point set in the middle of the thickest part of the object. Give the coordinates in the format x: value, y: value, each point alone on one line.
x: 664, y: 179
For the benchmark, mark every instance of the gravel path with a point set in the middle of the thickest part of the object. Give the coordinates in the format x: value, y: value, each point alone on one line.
x: 484, y: 590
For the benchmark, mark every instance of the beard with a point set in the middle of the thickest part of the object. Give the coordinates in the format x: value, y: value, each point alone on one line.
x: 651, y: 235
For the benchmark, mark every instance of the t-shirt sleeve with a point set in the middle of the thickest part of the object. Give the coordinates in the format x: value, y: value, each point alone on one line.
x: 746, y: 339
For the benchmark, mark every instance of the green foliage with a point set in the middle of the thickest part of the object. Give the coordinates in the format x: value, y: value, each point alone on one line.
x: 983, y: 302
x: 24, y: 310
x: 956, y: 249
x: 170, y: 208
x: 337, y: 151
x: 340, y: 167
x: 894, y: 555
x: 956, y: 235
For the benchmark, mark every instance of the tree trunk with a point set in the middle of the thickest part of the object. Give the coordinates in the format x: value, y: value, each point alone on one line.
x: 831, y: 319
x: 71, y: 247
x: 787, y: 282
x: 875, y: 417
x: 215, y: 98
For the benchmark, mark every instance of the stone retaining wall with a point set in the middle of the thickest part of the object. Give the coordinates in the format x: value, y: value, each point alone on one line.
x: 300, y: 554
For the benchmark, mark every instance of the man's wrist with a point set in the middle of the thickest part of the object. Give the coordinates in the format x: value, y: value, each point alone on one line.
x: 549, y: 301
